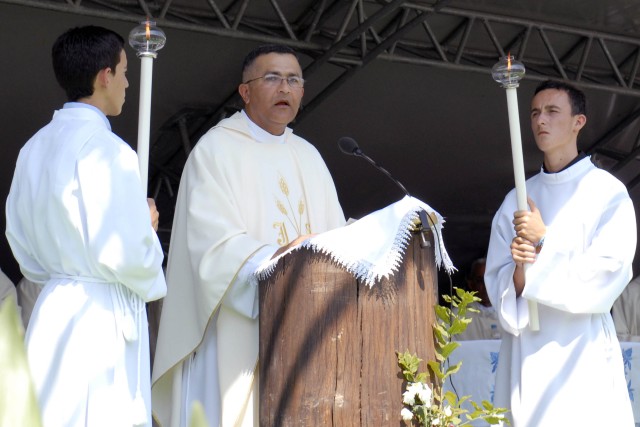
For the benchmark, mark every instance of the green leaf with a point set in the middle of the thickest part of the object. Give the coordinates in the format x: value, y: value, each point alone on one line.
x: 449, y: 348
x: 441, y: 334
x: 409, y: 362
x: 422, y: 377
x: 453, y: 369
x: 443, y: 313
x: 459, y: 326
x: 435, y: 367
x: 451, y: 398
x: 495, y: 420
x: 463, y: 399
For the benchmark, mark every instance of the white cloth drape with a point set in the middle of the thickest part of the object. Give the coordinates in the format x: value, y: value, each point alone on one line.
x: 373, y: 247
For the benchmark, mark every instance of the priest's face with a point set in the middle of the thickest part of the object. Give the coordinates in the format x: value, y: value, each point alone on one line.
x: 555, y: 127
x: 116, y: 87
x: 271, y: 102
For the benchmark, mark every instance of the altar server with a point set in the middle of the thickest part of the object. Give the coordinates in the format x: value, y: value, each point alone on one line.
x: 79, y: 224
x: 578, y: 242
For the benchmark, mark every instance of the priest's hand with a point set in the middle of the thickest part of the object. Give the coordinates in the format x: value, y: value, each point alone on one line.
x: 529, y: 224
x: 153, y: 212
x: 291, y: 244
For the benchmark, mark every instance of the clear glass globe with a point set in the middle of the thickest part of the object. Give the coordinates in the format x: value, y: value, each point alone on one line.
x: 146, y: 38
x: 508, y: 71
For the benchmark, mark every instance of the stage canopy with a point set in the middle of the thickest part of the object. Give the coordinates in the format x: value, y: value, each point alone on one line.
x: 409, y: 80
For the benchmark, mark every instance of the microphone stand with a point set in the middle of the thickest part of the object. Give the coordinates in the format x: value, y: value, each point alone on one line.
x: 424, y: 216
x: 359, y: 153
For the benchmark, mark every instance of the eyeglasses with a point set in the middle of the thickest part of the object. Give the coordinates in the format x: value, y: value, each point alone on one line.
x: 294, y: 82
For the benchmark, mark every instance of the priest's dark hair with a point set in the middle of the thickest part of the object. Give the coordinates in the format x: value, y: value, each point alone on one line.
x: 80, y: 53
x: 264, y: 50
x: 576, y: 97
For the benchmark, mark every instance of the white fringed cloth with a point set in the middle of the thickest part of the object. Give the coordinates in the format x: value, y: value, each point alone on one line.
x: 373, y: 247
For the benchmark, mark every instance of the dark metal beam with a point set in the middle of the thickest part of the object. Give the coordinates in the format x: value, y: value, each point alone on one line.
x: 352, y: 34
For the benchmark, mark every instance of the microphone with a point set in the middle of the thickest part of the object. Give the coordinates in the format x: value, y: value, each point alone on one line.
x: 349, y: 146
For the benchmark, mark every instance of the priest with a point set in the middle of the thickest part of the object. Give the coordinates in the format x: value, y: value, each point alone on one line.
x: 250, y: 190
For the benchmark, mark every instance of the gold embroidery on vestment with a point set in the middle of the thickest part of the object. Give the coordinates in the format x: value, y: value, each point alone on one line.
x: 296, y: 223
x: 283, y: 237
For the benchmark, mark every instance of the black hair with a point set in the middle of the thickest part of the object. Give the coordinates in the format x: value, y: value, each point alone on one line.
x: 576, y: 96
x: 80, y: 53
x: 264, y: 50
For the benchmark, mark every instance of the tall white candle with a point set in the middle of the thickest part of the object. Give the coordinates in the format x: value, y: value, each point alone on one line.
x: 146, y: 39
x: 518, y: 174
x: 144, y: 118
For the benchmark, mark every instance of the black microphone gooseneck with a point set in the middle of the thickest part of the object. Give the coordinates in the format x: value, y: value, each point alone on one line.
x: 349, y: 145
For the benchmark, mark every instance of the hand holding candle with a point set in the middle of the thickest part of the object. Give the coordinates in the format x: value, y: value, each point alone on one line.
x: 508, y: 72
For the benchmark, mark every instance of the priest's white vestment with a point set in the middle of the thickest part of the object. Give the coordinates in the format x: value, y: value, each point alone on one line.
x: 238, y: 196
x: 78, y: 223
x: 570, y: 372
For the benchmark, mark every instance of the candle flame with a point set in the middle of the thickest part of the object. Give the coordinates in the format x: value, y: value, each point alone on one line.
x: 148, y: 31
x: 509, y: 61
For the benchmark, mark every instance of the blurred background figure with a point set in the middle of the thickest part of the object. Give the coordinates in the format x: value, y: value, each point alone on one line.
x: 7, y: 288
x: 626, y: 312
x: 28, y: 292
x: 484, y: 324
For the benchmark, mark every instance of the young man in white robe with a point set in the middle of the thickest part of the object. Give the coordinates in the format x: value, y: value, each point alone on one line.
x: 79, y: 224
x: 250, y: 190
x: 571, y: 254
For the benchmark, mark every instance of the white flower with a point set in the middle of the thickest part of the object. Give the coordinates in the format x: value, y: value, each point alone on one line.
x: 408, y: 397
x: 417, y: 389
x: 406, y: 414
x: 425, y: 394
x: 447, y: 411
x: 435, y: 422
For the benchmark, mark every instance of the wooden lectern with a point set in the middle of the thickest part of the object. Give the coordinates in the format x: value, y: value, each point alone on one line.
x: 328, y: 342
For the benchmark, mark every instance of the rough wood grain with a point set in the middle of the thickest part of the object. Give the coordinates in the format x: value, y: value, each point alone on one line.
x: 328, y: 342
